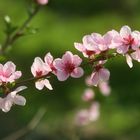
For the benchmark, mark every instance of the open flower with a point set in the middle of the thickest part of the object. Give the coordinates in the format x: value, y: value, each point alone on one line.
x: 127, y: 40
x: 68, y: 66
x: 102, y: 42
x: 12, y: 98
x: 88, y: 48
x: 100, y: 75
x: 40, y: 69
x: 8, y: 72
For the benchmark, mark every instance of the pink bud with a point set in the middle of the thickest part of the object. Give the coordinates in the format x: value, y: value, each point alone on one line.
x: 88, y: 95
x: 42, y: 2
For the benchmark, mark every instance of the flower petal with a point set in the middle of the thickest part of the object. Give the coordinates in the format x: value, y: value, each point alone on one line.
x: 62, y: 76
x: 104, y: 74
x: 129, y: 60
x: 58, y: 64
x: 77, y: 72
x: 95, y: 78
x: 48, y: 58
x: 125, y: 31
x: 19, y: 100
x: 67, y: 57
x: 39, y: 85
x: 47, y: 84
x: 77, y: 60
x: 9, y: 68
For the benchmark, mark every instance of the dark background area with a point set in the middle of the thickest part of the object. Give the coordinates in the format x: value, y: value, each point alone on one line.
x: 60, y: 24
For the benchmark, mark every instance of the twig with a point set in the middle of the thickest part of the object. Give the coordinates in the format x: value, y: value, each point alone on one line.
x: 10, y: 39
x: 31, y: 126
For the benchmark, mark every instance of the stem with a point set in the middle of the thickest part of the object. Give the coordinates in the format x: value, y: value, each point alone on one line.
x: 31, y: 79
x: 10, y: 39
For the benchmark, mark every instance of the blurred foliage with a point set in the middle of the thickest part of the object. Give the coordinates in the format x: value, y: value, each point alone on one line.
x: 60, y: 24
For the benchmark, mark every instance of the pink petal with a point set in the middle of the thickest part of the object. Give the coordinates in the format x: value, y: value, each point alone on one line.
x: 67, y: 57
x: 77, y: 60
x: 104, y: 88
x: 15, y: 76
x: 39, y: 85
x: 58, y: 64
x: 77, y: 72
x: 136, y: 55
x: 19, y: 100
x: 104, y: 74
x: 97, y: 38
x: 20, y: 88
x: 9, y: 68
x: 125, y: 31
x: 122, y: 49
x: 80, y: 47
x: 47, y: 84
x: 62, y: 76
x: 95, y: 78
x: 48, y: 58
x: 94, y: 111
x: 129, y: 60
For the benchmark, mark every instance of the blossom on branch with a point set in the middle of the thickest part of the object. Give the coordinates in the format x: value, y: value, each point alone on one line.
x: 11, y: 99
x: 8, y: 73
x: 40, y: 70
x: 68, y: 66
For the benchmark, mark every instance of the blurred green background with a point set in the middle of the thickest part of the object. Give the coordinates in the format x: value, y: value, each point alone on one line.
x: 61, y: 23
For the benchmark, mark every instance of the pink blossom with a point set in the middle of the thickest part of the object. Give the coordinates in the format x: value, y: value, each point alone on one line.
x: 42, y: 2
x: 94, y: 111
x: 104, y: 88
x: 85, y: 116
x: 82, y: 117
x: 127, y: 40
x: 40, y: 69
x: 102, y: 42
x: 86, y: 53
x: 68, y: 66
x: 100, y: 75
x: 88, y: 95
x: 11, y: 99
x: 8, y: 72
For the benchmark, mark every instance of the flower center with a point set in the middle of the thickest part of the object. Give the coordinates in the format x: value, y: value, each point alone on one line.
x: 89, y: 53
x: 69, y: 67
x: 38, y: 73
x: 129, y: 40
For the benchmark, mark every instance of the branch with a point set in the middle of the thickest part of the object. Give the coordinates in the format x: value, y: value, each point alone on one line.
x: 10, y: 39
x: 31, y: 126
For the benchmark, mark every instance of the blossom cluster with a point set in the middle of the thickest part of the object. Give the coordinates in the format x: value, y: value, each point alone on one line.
x: 98, y: 49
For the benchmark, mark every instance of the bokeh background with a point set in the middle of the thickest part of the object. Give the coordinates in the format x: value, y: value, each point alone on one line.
x: 60, y: 24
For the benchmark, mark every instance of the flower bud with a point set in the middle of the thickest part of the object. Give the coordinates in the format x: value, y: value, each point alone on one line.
x: 42, y: 2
